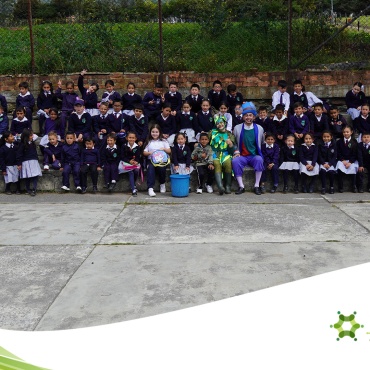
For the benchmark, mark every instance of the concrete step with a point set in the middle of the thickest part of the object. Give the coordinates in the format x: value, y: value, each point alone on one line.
x: 51, y: 181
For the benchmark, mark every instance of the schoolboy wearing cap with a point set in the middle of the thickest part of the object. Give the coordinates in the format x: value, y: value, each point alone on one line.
x: 80, y: 122
x: 249, y: 139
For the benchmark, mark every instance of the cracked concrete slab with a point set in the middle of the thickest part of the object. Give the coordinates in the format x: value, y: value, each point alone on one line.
x: 31, y: 278
x: 118, y: 283
x: 210, y: 223
x: 62, y: 224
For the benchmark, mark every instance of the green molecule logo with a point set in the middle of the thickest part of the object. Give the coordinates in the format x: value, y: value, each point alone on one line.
x: 346, y: 333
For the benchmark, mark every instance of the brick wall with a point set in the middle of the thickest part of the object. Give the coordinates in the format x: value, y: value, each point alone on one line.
x: 254, y: 85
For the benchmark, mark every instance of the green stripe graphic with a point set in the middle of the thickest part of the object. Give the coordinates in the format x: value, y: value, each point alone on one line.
x: 8, y: 361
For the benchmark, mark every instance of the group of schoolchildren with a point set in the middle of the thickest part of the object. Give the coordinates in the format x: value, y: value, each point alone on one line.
x: 217, y: 136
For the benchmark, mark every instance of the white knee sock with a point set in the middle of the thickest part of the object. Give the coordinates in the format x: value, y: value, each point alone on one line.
x: 258, y: 178
x: 239, y: 179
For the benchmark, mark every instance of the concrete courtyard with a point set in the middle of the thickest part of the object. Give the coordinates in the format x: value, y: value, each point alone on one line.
x: 70, y: 261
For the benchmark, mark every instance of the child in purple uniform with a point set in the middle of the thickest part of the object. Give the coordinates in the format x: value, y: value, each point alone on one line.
x: 298, y: 96
x: 361, y: 124
x: 173, y: 97
x: 299, y: 123
x: 25, y: 99
x: 90, y: 162
x: 168, y: 123
x: 233, y: 98
x: 308, y: 153
x: 336, y: 122
x: 45, y: 100
x: 347, y: 153
x: 280, y: 125
x: 318, y: 121
x: 139, y: 124
x: 80, y: 122
x: 110, y: 95
x: 102, y: 123
x: 289, y: 162
x: 19, y: 123
x: 89, y: 95
x: 28, y: 161
x: 53, y: 152
x: 131, y: 154
x: 217, y: 95
x: 364, y: 161
x: 153, y: 102
x: 53, y: 123
x: 195, y: 99
x: 271, y: 154
x: 354, y: 100
x: 71, y: 162
x: 110, y: 157
x: 8, y: 162
x: 68, y: 100
x: 263, y: 120
x: 327, y: 159
x: 130, y: 99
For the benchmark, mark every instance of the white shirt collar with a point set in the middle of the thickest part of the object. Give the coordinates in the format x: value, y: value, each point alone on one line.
x: 277, y: 119
x: 132, y: 147
x: 246, y: 127
x: 142, y: 116
x: 8, y: 144
x: 26, y: 94
x: 113, y: 147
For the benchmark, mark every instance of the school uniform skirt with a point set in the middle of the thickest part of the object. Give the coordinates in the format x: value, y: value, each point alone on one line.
x: 30, y: 168
x: 303, y: 169
x: 351, y: 170
x: 331, y: 168
x: 289, y: 166
x: 182, y: 169
x: 12, y: 174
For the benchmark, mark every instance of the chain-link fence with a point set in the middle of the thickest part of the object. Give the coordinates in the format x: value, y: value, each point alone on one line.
x: 214, y: 41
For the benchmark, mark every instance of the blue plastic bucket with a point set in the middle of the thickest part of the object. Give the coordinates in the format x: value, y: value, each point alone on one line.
x: 180, y: 185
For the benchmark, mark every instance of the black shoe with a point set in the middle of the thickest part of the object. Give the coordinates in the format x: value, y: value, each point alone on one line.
x: 8, y: 192
x: 331, y: 191
x: 340, y: 190
x: 323, y: 191
x: 134, y: 193
x: 240, y: 191
x: 304, y: 190
x: 354, y: 190
x: 106, y: 186
x: 368, y: 190
x: 273, y: 190
x: 310, y: 189
x: 33, y: 193
x: 285, y: 189
x: 95, y: 189
x: 263, y: 190
x: 112, y: 186
x: 296, y: 191
x: 257, y: 190
x: 360, y: 190
x: 18, y: 192
x: 83, y: 191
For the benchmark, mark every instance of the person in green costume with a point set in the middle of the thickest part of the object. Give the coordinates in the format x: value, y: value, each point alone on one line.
x: 222, y: 143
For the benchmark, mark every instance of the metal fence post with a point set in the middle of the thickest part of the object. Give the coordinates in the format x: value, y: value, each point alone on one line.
x: 290, y: 16
x: 161, y: 67
x: 33, y: 67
